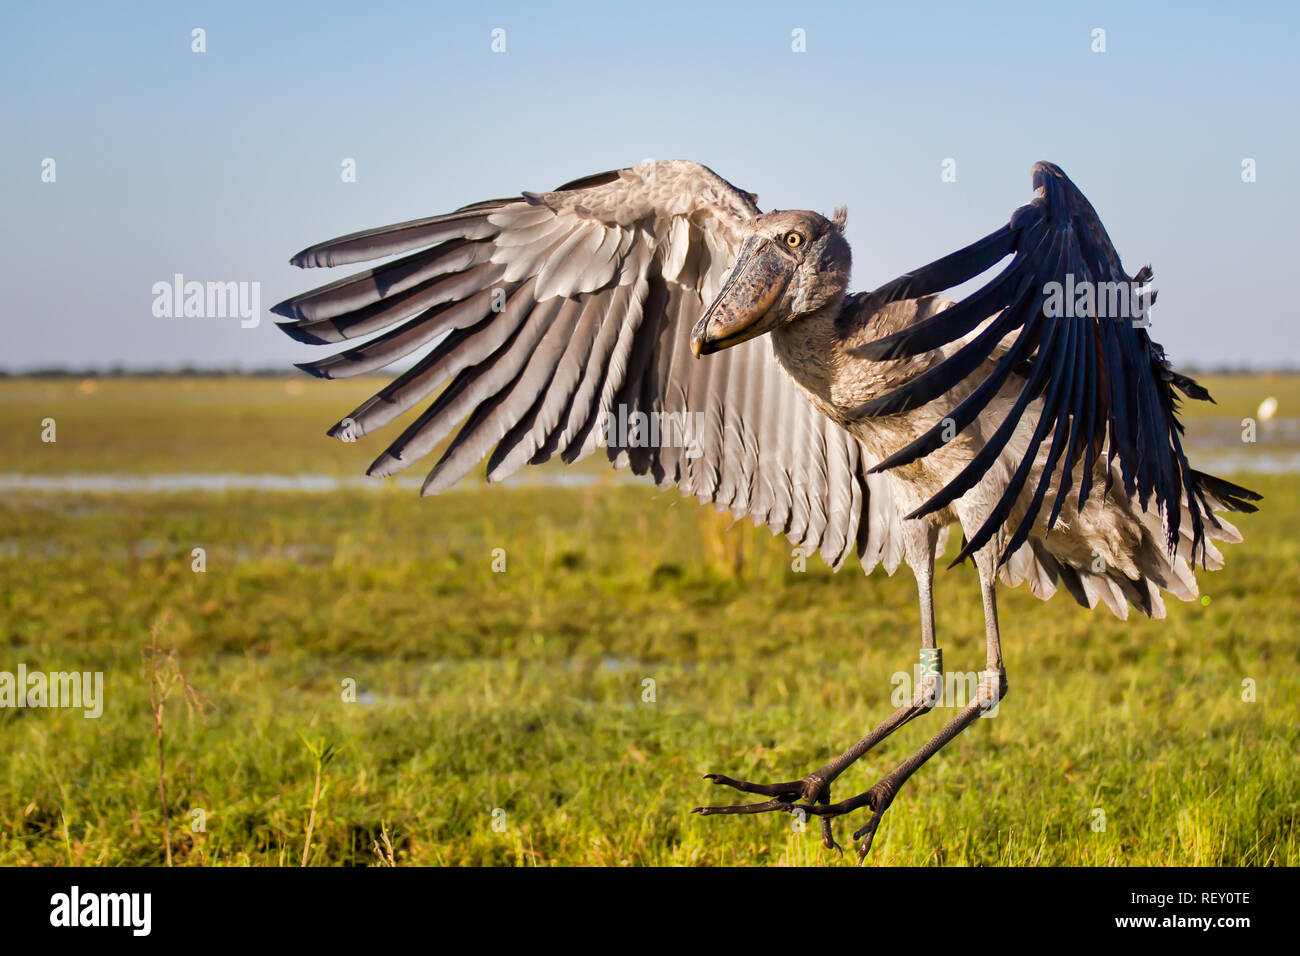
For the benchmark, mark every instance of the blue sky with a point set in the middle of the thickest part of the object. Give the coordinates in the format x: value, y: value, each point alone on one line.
x: 221, y: 165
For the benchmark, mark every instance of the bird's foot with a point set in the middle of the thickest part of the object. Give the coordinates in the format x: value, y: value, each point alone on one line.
x: 812, y: 789
x: 878, y: 799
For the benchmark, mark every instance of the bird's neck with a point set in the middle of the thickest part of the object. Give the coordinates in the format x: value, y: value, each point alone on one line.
x: 817, y: 350
x: 811, y: 349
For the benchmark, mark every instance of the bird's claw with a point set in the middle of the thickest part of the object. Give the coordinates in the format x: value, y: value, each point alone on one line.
x: 882, y: 796
x: 878, y: 799
x: 784, y: 796
x: 828, y: 838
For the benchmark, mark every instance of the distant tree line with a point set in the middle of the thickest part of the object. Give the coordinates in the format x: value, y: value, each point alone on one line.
x: 184, y: 371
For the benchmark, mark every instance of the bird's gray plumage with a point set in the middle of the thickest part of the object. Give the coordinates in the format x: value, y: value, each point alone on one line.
x: 536, y: 320
x: 864, y: 423
x: 563, y: 309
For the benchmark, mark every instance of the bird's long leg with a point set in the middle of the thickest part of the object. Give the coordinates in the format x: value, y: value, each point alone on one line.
x: 816, y: 787
x: 992, y: 688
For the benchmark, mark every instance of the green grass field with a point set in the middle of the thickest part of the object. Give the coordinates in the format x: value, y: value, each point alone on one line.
x: 501, y: 718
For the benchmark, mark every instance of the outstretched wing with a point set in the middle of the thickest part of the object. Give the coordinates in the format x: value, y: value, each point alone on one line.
x: 1079, y: 344
x: 559, y: 323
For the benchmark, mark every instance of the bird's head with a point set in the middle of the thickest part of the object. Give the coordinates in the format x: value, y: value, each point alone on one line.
x: 792, y: 263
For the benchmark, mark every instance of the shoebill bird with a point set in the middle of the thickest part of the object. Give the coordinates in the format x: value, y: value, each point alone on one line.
x: 853, y: 423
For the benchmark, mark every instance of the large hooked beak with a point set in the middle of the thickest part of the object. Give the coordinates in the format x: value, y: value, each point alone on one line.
x: 743, y: 309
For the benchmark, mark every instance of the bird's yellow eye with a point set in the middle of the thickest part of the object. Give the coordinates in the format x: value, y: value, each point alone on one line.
x: 793, y: 240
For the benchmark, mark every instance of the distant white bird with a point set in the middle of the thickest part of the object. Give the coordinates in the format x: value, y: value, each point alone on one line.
x: 862, y: 423
x: 1267, y: 409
